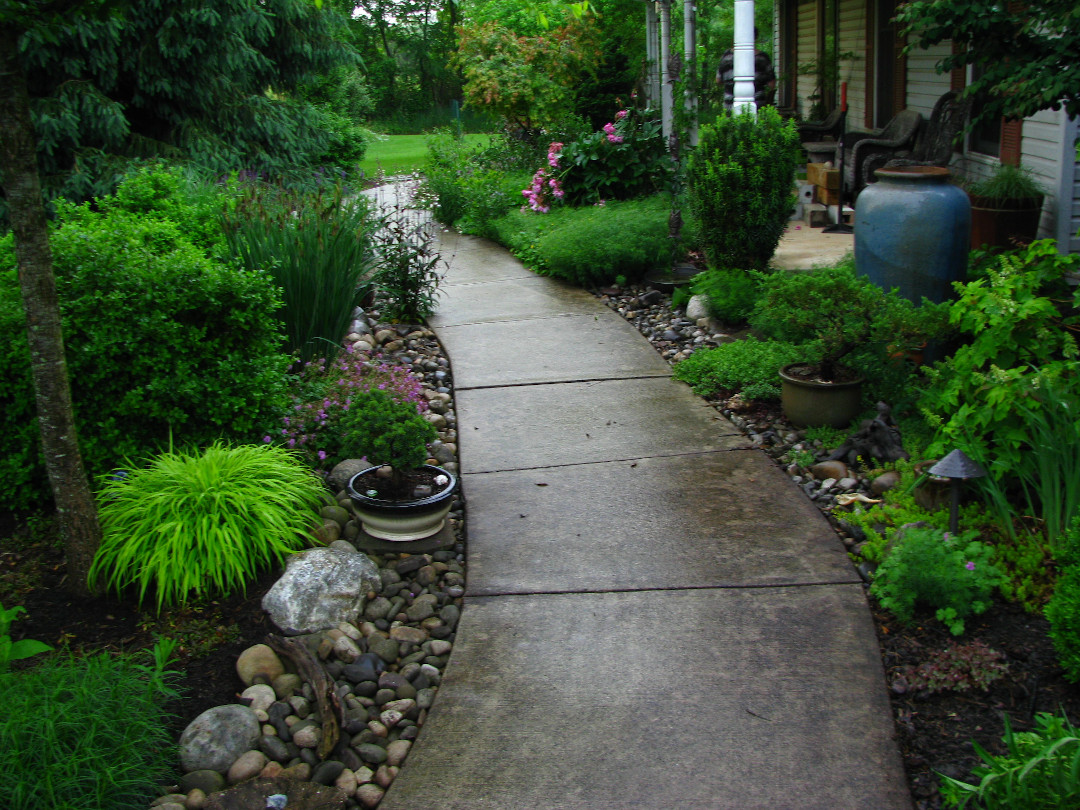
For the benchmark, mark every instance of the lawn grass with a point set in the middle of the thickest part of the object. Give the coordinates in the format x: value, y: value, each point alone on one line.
x: 401, y: 154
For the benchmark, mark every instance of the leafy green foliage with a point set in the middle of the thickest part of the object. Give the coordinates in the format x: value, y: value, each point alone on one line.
x: 740, y: 186
x: 956, y: 668
x: 385, y: 431
x: 1008, y: 398
x: 1025, y: 53
x: 87, y: 731
x: 203, y: 523
x: 749, y: 367
x: 407, y: 265
x: 732, y: 294
x: 158, y: 78
x: 15, y: 650
x: 591, y: 245
x: 160, y: 336
x: 1007, y: 182
x: 952, y: 575
x: 1039, y: 771
x: 1063, y: 609
x: 317, y: 247
x: 840, y: 312
x: 526, y: 80
x: 626, y: 159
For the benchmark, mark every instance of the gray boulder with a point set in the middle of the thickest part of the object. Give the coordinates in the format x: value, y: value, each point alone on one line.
x: 697, y: 307
x: 321, y: 588
x: 343, y: 471
x: 218, y: 737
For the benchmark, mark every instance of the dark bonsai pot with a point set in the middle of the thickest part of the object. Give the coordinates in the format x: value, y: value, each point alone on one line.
x: 405, y: 519
x: 810, y: 401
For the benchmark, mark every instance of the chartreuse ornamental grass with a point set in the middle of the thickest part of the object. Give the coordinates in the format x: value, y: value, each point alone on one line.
x: 86, y: 732
x: 203, y: 523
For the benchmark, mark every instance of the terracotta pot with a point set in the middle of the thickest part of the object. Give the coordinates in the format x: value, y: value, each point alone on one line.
x: 1003, y: 223
x: 403, y: 520
x: 814, y: 403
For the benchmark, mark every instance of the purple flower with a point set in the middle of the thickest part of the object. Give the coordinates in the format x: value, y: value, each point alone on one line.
x: 267, y: 440
x: 322, y: 455
x: 969, y: 565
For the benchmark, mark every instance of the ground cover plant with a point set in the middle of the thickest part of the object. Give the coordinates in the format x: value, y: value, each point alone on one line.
x: 195, y: 524
x: 86, y: 731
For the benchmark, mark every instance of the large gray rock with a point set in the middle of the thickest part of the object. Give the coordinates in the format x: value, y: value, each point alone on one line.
x: 218, y: 737
x: 697, y: 307
x: 321, y: 588
x: 343, y: 471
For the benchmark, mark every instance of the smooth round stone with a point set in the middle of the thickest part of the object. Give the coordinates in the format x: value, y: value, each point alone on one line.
x: 384, y: 776
x: 308, y: 736
x: 336, y: 514
x: 272, y: 770
x: 286, y: 685
x: 327, y: 772
x: 884, y: 482
x: 384, y: 696
x: 385, y: 648
x: 300, y: 771
x: 174, y: 798
x: 346, y: 782
x: 195, y: 800
x: 371, y: 753
x: 206, y: 780
x: 829, y: 469
x: 259, y: 661
x: 261, y: 696
x: 369, y: 794
x: 274, y: 748
x: 217, y: 737
x: 412, y: 635
x: 397, y: 751
x: 440, y: 647
x: 246, y: 767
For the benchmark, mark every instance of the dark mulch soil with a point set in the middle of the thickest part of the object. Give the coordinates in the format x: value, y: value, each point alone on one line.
x: 933, y: 731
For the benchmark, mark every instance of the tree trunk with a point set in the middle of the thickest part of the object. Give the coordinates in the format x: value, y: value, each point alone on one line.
x: 79, y: 526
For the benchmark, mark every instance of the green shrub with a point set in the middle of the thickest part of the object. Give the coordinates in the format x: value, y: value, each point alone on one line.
x: 15, y: 650
x: 732, y: 294
x: 749, y: 366
x: 1063, y: 609
x: 591, y: 245
x: 90, y: 731
x: 317, y: 248
x: 951, y: 575
x: 842, y: 313
x: 203, y: 523
x: 740, y: 186
x: 406, y: 277
x: 450, y: 161
x: 386, y: 431
x: 159, y: 338
x: 1039, y: 771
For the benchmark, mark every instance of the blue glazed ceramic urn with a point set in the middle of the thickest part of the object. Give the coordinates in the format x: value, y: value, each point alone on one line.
x: 912, y: 232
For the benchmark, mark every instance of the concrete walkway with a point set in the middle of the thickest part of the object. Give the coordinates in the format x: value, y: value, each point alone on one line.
x: 655, y: 616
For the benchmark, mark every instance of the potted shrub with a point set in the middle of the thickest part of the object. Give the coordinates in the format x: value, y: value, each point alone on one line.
x: 1005, y: 207
x: 832, y: 312
x: 399, y: 497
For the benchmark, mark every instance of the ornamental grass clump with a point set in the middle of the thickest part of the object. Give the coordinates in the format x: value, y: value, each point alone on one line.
x: 203, y: 523
x: 87, y: 731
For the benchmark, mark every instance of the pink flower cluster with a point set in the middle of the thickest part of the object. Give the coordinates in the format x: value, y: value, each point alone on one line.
x: 545, y: 183
x: 613, y: 135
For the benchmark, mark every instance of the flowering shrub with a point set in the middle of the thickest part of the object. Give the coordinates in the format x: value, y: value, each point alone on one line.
x: 950, y: 574
x: 625, y: 159
x: 324, y: 393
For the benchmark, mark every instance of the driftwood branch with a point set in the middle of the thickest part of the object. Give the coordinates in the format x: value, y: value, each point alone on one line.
x: 311, y: 670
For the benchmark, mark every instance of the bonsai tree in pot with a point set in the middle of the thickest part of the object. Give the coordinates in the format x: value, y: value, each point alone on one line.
x: 399, y: 497
x: 1005, y: 207
x: 832, y: 312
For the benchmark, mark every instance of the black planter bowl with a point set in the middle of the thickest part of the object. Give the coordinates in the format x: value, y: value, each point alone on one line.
x: 402, y: 521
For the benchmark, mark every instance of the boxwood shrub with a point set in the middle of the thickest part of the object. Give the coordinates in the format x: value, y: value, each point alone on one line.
x: 161, y: 340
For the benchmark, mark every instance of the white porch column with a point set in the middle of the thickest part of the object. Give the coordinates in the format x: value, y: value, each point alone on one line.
x: 690, y: 49
x: 744, y: 56
x: 666, y: 96
x: 652, y: 56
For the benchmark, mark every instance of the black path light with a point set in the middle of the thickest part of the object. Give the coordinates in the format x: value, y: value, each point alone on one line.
x: 958, y: 468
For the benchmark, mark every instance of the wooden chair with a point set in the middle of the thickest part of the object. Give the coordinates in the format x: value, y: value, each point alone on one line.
x: 828, y: 129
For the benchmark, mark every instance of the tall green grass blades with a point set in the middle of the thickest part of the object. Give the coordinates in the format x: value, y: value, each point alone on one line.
x: 85, y: 733
x: 1040, y: 771
x: 318, y: 249
x: 203, y: 523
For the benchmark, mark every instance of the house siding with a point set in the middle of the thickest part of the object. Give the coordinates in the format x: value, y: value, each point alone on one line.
x: 924, y: 84
x: 853, y: 71
x: 805, y: 85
